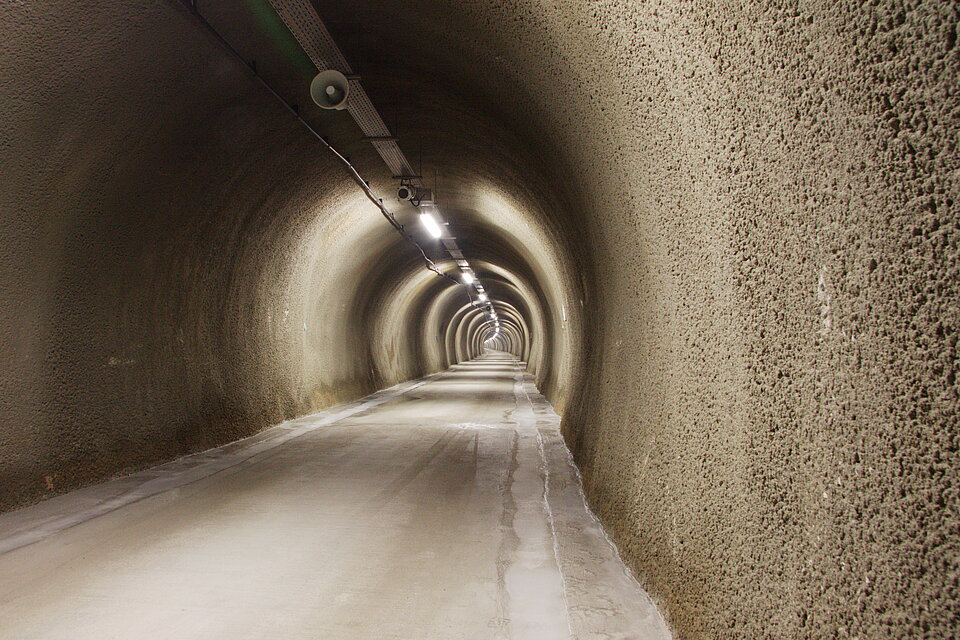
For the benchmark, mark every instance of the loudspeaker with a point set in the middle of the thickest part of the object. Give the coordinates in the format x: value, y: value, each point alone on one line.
x: 330, y: 90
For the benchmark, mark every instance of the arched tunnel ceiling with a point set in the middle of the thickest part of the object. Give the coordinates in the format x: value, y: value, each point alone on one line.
x: 501, y: 209
x: 723, y: 237
x: 291, y: 292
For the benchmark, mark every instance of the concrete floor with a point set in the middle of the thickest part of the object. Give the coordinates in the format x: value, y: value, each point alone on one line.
x: 442, y: 508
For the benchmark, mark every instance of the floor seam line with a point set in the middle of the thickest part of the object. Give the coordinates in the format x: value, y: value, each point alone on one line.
x: 521, y: 385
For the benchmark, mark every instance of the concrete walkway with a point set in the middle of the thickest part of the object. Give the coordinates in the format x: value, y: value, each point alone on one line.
x: 442, y: 508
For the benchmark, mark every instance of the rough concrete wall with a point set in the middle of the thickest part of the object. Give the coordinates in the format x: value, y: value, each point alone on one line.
x: 150, y: 308
x: 754, y: 205
x: 783, y: 460
x: 769, y: 196
x: 180, y: 263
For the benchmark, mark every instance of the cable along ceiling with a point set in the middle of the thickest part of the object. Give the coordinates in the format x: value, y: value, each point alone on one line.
x: 306, y: 26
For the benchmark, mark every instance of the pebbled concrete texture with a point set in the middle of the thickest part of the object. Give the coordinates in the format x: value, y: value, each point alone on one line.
x: 768, y: 196
x: 736, y: 222
x: 787, y: 463
x: 182, y: 265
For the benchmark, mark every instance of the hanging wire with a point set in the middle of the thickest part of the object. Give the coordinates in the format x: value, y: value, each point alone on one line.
x: 351, y: 169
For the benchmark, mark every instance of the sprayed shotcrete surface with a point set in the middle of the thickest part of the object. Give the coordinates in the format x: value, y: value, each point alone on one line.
x: 448, y: 508
x: 183, y: 265
x: 732, y: 228
x: 768, y: 195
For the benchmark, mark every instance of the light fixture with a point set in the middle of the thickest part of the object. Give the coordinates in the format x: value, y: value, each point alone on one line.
x: 482, y: 297
x: 431, y: 225
x: 467, y: 277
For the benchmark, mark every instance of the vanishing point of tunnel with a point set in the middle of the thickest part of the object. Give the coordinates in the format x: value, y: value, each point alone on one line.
x: 490, y: 319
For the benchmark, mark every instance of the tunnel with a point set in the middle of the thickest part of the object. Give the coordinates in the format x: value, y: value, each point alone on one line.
x: 689, y: 290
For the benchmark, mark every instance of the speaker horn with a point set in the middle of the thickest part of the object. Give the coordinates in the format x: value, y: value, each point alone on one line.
x: 330, y: 89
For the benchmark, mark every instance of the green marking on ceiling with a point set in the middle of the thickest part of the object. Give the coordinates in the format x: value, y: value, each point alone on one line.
x: 271, y: 24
